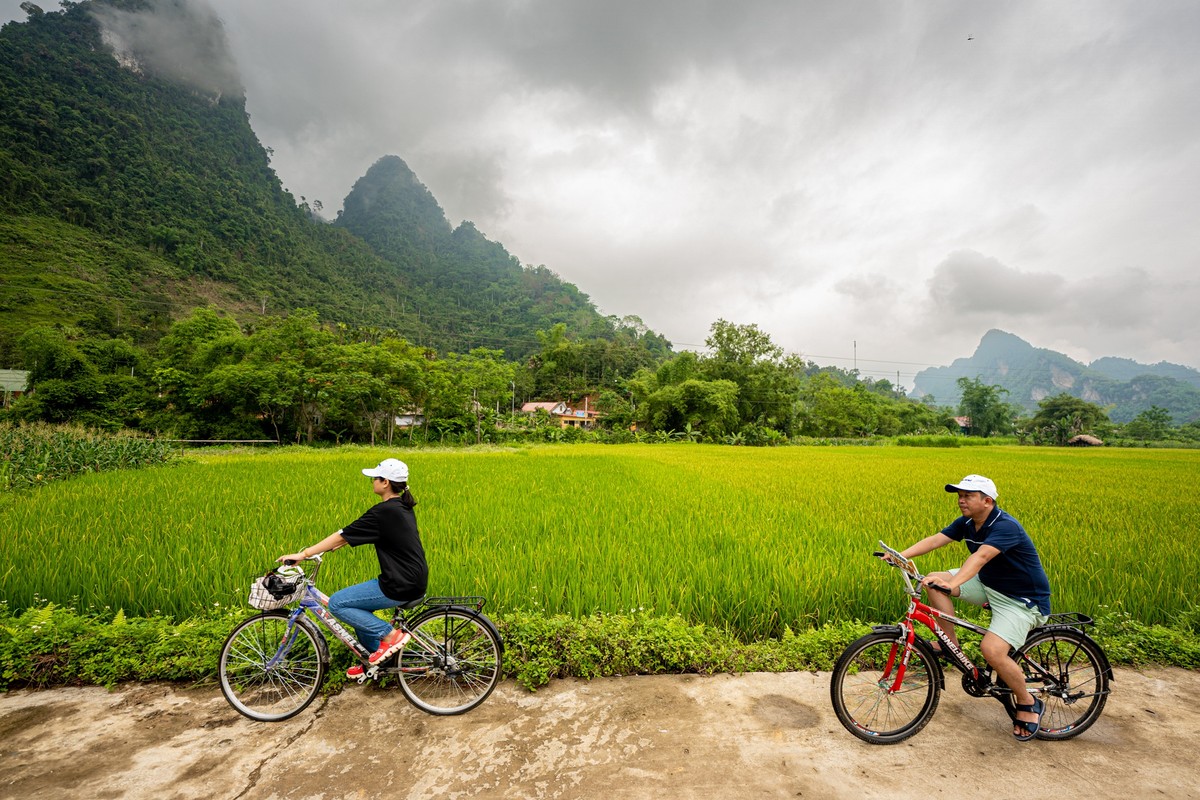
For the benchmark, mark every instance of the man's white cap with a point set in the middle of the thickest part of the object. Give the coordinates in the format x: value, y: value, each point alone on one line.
x: 392, y: 469
x: 975, y: 483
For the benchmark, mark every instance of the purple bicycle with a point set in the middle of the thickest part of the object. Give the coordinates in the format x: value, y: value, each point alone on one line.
x: 274, y: 663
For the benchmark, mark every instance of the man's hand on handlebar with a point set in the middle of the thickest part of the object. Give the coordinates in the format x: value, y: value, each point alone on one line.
x: 933, y: 583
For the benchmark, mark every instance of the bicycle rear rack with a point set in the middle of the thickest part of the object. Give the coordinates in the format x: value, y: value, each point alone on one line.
x: 469, y: 601
x: 1072, y: 618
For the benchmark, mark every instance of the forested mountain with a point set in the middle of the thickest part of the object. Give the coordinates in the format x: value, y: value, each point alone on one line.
x: 1031, y: 374
x: 132, y: 191
x: 484, y: 297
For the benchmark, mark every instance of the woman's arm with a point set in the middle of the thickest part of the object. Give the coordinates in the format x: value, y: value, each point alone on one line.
x: 331, y: 542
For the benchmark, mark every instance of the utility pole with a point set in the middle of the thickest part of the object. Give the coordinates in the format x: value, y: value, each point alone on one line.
x: 475, y: 402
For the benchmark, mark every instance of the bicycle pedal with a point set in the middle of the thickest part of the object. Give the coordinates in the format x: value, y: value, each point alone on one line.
x: 371, y: 674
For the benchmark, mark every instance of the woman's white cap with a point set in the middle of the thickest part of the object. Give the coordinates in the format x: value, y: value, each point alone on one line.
x: 392, y: 469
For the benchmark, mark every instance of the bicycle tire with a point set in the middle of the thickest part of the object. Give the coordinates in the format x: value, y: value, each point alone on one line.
x: 259, y: 681
x: 464, y: 670
x: 1079, y: 690
x: 862, y: 696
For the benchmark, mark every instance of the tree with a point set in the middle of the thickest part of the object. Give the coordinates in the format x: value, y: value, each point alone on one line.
x: 830, y: 409
x: 983, y: 405
x: 694, y: 406
x: 1063, y: 416
x: 1152, y: 425
x: 741, y: 344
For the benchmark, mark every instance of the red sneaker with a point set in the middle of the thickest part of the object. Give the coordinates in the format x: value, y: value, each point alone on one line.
x: 391, y: 644
x: 355, y: 672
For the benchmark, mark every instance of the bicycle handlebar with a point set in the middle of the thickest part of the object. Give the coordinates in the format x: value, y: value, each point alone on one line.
x: 906, y: 565
x: 314, y: 557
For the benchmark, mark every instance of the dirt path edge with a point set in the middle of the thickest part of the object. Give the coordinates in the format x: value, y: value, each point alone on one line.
x: 677, y: 736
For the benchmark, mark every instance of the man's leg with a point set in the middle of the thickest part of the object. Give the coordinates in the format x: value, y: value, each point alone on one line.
x: 1011, y: 622
x: 995, y: 650
x: 942, y: 602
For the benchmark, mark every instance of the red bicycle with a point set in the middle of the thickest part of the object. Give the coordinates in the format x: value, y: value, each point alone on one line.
x: 886, y: 685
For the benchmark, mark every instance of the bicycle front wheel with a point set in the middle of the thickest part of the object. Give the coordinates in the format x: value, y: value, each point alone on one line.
x: 453, y: 661
x: 864, y: 692
x: 271, y: 670
x: 1072, y: 680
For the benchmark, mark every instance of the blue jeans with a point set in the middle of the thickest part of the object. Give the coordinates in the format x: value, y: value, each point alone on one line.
x: 353, y: 606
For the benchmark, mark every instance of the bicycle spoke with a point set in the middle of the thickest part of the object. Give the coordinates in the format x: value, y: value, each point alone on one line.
x: 864, y: 698
x: 270, y: 668
x: 1066, y: 670
x: 453, y: 663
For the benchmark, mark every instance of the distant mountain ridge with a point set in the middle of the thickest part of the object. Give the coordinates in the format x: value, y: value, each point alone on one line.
x: 1030, y: 374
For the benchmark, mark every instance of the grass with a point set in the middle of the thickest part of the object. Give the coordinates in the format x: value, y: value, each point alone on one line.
x: 750, y: 541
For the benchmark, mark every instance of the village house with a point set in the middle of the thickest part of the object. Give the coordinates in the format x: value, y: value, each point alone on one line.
x: 565, y: 415
x: 13, y: 384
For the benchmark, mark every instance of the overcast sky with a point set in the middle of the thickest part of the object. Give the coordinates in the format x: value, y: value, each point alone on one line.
x: 871, y: 183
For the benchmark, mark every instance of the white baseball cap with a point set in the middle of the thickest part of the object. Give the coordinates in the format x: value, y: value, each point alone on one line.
x: 392, y: 469
x: 974, y: 483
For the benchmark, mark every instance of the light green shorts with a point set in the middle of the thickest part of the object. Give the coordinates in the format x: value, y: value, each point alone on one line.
x: 1012, y: 620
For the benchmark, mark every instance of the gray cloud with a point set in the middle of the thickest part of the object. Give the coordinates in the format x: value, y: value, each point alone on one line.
x: 178, y: 40
x: 968, y: 283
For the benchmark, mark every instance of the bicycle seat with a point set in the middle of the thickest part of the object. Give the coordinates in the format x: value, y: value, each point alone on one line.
x: 412, y: 603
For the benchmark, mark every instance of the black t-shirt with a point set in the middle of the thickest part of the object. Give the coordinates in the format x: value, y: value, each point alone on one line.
x: 392, y: 528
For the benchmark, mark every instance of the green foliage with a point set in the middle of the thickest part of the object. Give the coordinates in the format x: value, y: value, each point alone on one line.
x: 1062, y: 416
x: 982, y: 405
x: 51, y: 645
x: 1128, y: 641
x: 1152, y: 425
x: 33, y: 455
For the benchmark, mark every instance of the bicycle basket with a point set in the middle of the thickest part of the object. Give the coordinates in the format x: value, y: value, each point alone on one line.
x: 273, y: 591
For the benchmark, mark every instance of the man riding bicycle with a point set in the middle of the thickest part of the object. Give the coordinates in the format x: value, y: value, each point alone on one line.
x: 1002, y: 571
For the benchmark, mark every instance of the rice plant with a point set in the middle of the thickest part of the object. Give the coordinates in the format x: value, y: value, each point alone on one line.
x: 752, y: 540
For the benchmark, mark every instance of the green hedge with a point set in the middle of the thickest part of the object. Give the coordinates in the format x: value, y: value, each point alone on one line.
x: 53, y: 646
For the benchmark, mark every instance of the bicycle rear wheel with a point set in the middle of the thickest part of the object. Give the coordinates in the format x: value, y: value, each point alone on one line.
x: 861, y: 689
x: 271, y: 671
x: 453, y: 661
x: 1077, y: 689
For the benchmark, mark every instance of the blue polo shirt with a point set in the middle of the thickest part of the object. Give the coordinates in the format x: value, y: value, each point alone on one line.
x: 1017, y: 570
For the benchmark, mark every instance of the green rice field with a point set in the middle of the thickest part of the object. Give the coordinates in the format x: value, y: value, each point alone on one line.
x: 743, y: 538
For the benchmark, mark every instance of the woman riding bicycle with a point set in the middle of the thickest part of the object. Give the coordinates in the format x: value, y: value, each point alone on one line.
x: 391, y: 526
x: 1005, y: 572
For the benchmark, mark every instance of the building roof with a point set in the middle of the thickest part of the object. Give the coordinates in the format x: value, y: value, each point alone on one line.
x: 530, y: 407
x: 14, y: 380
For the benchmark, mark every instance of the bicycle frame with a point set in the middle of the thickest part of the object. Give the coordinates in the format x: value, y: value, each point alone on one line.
x: 315, y: 604
x: 919, y: 612
x: 930, y: 617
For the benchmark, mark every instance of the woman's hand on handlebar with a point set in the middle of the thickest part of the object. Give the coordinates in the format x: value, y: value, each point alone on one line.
x: 292, y: 558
